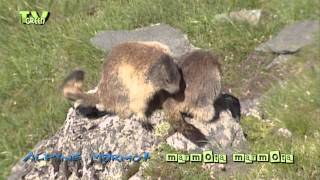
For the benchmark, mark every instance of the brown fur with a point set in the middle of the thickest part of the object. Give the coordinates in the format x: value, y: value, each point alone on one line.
x: 132, y: 73
x: 201, y: 74
x: 201, y: 85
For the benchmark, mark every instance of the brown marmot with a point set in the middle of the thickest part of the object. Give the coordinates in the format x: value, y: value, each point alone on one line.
x: 199, y: 88
x: 132, y: 74
x: 202, y: 77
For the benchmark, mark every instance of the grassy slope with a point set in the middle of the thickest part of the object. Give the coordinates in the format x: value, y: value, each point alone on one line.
x: 34, y: 59
x: 295, y: 105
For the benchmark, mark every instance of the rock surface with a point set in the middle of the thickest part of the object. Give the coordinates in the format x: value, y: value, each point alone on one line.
x: 251, y: 16
x: 284, y: 132
x: 292, y: 38
x: 224, y: 135
x: 282, y: 58
x: 121, y: 137
x: 174, y: 38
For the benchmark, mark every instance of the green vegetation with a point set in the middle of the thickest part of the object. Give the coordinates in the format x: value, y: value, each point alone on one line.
x: 35, y: 59
x: 159, y: 168
x: 295, y: 105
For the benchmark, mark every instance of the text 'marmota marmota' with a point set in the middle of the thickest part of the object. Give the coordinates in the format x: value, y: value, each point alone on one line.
x: 132, y: 74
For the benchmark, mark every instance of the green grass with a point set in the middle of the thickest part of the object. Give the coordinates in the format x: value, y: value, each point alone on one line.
x: 294, y: 105
x: 158, y: 167
x: 35, y: 59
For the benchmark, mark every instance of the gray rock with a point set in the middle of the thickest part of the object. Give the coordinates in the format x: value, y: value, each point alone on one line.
x: 292, y: 38
x: 251, y: 16
x: 85, y: 136
x: 109, y: 133
x: 284, y: 132
x: 282, y: 58
x: 224, y: 135
x: 251, y: 107
x: 174, y: 38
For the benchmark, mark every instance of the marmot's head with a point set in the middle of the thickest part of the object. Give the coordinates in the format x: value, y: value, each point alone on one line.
x: 165, y: 74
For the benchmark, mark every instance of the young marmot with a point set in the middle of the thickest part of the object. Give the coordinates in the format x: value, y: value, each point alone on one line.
x: 132, y: 74
x: 201, y: 85
x: 201, y: 73
x: 200, y: 95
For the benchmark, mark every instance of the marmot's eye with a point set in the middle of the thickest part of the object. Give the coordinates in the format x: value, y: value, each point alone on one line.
x: 167, y: 81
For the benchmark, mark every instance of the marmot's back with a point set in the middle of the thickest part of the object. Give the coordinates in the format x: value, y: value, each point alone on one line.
x: 140, y: 55
x: 133, y: 72
x: 202, y: 76
x: 200, y: 86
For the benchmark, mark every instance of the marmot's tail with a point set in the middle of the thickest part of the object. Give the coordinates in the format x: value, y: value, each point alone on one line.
x: 72, y: 89
x: 189, y: 131
x: 227, y: 102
